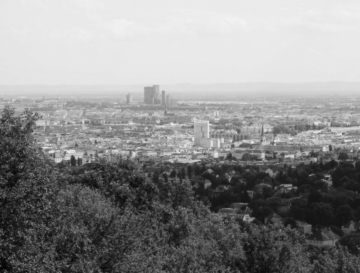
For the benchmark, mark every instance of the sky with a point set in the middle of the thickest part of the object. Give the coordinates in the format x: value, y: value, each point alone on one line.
x: 184, y: 41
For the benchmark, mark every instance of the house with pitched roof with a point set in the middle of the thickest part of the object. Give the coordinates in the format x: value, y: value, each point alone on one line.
x: 322, y: 237
x: 350, y: 227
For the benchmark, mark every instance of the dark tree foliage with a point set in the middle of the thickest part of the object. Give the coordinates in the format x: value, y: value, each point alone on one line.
x: 352, y: 242
x: 114, y: 217
x: 27, y: 193
x: 343, y: 156
x: 72, y: 161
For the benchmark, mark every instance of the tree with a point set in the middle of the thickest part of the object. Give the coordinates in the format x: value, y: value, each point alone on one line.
x: 72, y: 161
x: 352, y: 242
x: 244, y: 197
x: 190, y: 171
x: 173, y: 174
x: 357, y: 165
x: 337, y: 230
x: 267, y: 250
x: 113, y: 217
x: 165, y: 176
x: 262, y: 213
x: 27, y: 194
x: 98, y: 236
x: 183, y: 173
x: 290, y: 222
x: 248, y: 157
x: 344, y: 214
x: 333, y: 164
x: 315, y: 197
x: 343, y: 156
x: 155, y: 177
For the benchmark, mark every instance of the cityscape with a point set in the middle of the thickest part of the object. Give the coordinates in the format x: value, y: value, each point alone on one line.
x: 161, y: 129
x: 253, y: 160
x: 184, y: 136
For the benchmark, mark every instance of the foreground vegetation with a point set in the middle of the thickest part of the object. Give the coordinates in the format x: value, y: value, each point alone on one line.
x: 113, y: 218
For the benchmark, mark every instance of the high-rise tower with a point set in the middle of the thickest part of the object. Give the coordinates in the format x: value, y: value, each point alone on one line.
x: 128, y: 98
x: 152, y: 94
x: 148, y: 95
x: 201, y: 131
x: 163, y: 98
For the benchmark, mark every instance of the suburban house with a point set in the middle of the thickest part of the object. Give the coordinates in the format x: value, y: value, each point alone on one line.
x: 273, y: 218
x: 350, y: 227
x: 322, y: 237
x: 303, y: 227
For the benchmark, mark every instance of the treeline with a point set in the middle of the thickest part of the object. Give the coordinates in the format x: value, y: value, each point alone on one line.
x: 323, y: 195
x: 113, y: 218
x: 311, y: 198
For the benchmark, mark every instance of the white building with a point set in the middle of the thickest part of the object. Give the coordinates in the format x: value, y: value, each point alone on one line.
x: 206, y: 143
x: 216, y: 143
x: 201, y: 131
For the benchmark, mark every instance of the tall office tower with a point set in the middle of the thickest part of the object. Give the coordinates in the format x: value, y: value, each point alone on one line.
x: 152, y: 94
x: 168, y: 99
x: 148, y: 95
x: 163, y: 98
x: 201, y: 131
x: 128, y: 98
x: 156, y: 94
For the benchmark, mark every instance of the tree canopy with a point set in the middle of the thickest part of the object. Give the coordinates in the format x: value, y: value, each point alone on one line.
x: 113, y: 217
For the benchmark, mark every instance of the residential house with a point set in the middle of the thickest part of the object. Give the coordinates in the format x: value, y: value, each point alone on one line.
x: 322, y: 237
x: 273, y: 218
x: 304, y: 228
x: 351, y: 226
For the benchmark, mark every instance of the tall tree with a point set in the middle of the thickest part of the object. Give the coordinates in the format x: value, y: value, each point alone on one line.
x: 344, y: 214
x: 173, y: 174
x: 72, y: 161
x: 343, y: 156
x: 183, y: 173
x: 27, y: 193
x: 190, y: 171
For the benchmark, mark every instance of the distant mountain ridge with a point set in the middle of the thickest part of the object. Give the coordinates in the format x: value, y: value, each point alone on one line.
x: 245, y: 88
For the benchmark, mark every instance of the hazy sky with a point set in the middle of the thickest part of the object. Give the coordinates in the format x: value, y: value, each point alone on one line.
x: 184, y: 41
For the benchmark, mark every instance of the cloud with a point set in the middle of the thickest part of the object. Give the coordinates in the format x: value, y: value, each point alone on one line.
x: 185, y: 24
x: 84, y: 21
x: 95, y: 26
x: 299, y: 24
x: 332, y: 20
x: 206, y: 23
x: 92, y: 5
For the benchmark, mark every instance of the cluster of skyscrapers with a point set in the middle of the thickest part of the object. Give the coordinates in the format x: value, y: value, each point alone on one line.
x: 152, y: 96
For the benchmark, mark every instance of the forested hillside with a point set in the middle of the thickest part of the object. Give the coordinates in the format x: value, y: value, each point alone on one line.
x: 111, y: 217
